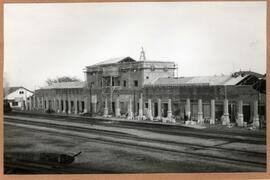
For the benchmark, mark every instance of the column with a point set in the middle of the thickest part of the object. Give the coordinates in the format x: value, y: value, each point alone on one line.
x: 106, y: 108
x: 256, y: 122
x: 117, y: 108
x: 159, y: 110
x: 169, y: 108
x: 51, y: 104
x: 55, y: 104
x: 80, y: 106
x: 226, y: 118
x: 26, y: 104
x: 213, y: 111
x: 38, y: 100
x: 170, y: 111
x: 34, y: 102
x: 188, y: 112
x: 76, y: 106
x: 240, y: 116
x: 200, y: 112
x: 30, y: 103
x: 42, y: 103
x: 64, y: 106
x: 94, y: 107
x: 59, y: 105
x: 69, y: 106
x: 141, y: 107
x: 47, y: 103
x: 22, y: 104
x: 85, y: 105
x: 149, y: 114
x: 130, y: 112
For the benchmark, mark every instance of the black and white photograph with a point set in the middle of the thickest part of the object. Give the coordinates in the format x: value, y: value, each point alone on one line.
x: 134, y: 87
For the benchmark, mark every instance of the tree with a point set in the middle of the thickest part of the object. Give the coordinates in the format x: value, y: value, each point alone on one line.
x: 51, y: 81
x: 5, y: 84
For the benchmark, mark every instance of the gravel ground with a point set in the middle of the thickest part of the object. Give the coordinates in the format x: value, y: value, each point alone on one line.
x: 99, y: 157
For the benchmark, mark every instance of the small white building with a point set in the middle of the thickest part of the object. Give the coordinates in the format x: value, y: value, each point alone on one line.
x: 17, y: 97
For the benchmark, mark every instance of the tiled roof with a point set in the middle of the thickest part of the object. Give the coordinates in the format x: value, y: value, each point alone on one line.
x: 235, y: 80
x: 211, y: 80
x: 203, y: 80
x: 66, y: 85
x: 114, y: 60
x: 172, y: 80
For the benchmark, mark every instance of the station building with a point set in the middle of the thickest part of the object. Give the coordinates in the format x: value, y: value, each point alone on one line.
x: 144, y: 89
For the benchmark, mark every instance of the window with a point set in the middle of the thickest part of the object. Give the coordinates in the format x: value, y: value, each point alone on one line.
x: 147, y: 77
x: 146, y: 105
x: 118, y: 83
x: 14, y: 103
x: 136, y: 83
x: 21, y: 92
x: 125, y: 83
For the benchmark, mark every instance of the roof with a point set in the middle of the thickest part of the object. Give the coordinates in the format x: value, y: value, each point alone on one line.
x: 66, y: 85
x: 115, y: 60
x: 202, y: 80
x: 258, y: 75
x: 10, y: 90
x: 123, y: 60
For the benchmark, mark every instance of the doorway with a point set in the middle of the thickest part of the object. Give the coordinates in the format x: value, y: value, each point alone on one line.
x: 155, y: 109
x: 165, y: 109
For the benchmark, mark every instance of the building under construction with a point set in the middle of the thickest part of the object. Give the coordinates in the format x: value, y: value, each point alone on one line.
x: 149, y: 90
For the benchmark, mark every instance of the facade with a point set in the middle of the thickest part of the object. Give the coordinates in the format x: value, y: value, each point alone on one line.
x: 124, y: 87
x: 206, y: 101
x: 119, y: 81
x: 66, y: 97
x: 17, y: 96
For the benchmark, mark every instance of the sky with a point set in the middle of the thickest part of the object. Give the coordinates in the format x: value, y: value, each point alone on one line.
x: 44, y: 41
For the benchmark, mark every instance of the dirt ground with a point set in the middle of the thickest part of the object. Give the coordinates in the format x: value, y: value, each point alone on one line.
x: 100, y: 157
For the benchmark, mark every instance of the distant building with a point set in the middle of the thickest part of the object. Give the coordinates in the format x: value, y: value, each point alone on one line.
x: 17, y: 96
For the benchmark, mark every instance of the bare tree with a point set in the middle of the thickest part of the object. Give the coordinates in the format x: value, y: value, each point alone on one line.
x: 51, y: 81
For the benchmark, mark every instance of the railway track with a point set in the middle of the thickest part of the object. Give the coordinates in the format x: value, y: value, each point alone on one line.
x: 251, y: 137
x: 213, y: 153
